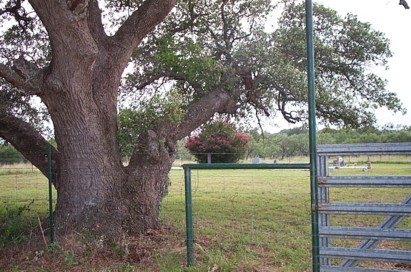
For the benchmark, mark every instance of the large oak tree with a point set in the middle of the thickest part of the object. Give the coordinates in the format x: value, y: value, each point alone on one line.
x: 186, y: 62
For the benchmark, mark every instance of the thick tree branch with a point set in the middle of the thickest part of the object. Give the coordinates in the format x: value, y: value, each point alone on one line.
x: 24, y: 76
x: 11, y: 76
x: 27, y: 141
x: 70, y: 37
x: 404, y: 3
x: 56, y: 13
x: 95, y: 22
x: 140, y: 23
x: 202, y: 110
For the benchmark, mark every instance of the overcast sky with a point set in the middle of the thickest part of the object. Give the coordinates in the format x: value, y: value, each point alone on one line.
x: 395, y: 22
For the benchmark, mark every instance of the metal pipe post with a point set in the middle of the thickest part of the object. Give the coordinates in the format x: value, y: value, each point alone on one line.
x: 189, y: 217
x: 312, y: 135
x: 50, y: 176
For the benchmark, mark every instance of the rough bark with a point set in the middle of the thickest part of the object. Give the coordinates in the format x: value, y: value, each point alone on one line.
x: 26, y: 139
x: 201, y: 111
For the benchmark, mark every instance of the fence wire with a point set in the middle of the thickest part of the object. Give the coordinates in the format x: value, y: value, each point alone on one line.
x: 247, y: 219
x: 24, y: 201
x: 243, y: 219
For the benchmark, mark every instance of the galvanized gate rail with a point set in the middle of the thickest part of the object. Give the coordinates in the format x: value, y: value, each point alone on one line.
x: 372, y: 237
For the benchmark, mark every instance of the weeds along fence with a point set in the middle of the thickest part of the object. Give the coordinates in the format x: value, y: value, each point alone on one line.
x: 24, y: 200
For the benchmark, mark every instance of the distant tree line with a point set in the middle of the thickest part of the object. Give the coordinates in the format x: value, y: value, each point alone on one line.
x: 9, y: 155
x: 294, y: 142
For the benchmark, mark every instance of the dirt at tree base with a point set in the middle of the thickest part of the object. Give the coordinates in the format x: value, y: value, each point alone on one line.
x: 78, y: 252
x: 81, y: 252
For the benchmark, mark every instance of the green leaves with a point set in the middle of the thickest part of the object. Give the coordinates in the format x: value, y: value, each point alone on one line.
x: 223, y: 45
x: 186, y: 59
x: 160, y: 110
x: 346, y: 53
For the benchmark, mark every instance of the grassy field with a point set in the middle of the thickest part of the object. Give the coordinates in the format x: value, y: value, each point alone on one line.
x: 244, y: 220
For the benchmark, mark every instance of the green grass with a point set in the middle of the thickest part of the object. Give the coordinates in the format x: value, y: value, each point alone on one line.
x: 23, y: 199
x: 246, y: 219
x: 17, y: 189
x: 243, y: 219
x: 14, y: 224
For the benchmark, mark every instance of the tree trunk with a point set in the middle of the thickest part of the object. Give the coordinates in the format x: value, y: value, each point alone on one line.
x: 98, y: 194
x: 95, y: 192
x: 110, y: 203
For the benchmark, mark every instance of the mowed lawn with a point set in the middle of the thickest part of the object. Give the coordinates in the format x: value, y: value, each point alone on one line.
x: 244, y: 220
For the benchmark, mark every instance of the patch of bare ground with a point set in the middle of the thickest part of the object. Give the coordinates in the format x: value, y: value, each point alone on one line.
x: 80, y: 252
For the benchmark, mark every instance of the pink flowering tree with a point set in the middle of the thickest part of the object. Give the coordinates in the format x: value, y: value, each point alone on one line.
x: 220, y: 139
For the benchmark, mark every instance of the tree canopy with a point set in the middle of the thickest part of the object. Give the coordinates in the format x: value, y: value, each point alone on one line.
x: 225, y: 46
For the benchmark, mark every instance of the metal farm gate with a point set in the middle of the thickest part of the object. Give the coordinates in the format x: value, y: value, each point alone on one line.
x: 368, y: 252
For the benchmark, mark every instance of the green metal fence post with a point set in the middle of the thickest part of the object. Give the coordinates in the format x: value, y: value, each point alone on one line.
x: 312, y: 135
x: 189, y: 217
x: 50, y: 176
